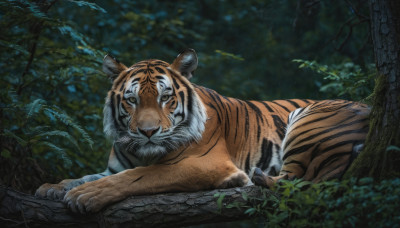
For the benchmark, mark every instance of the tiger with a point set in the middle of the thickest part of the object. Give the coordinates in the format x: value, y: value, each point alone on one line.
x: 171, y: 135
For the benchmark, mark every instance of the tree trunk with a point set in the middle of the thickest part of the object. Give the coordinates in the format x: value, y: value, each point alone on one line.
x: 381, y: 156
x: 162, y: 210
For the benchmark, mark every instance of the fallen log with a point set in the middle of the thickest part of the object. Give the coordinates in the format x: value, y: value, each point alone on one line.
x: 161, y: 210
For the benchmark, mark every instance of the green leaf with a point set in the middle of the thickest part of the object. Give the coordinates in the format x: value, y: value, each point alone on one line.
x: 9, y: 133
x: 5, y: 153
x: 35, y: 107
x: 93, y: 6
x: 13, y: 46
x: 220, y: 199
x: 59, y: 133
x: 230, y: 55
x: 392, y: 147
x: 64, y: 118
x: 59, y: 151
x: 245, y: 196
x: 250, y: 211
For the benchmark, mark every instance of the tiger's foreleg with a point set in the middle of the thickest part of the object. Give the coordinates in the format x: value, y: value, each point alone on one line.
x: 198, y: 171
x: 58, y: 191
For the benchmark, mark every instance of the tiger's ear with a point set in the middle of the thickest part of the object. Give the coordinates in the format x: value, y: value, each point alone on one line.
x: 112, y: 67
x: 186, y: 63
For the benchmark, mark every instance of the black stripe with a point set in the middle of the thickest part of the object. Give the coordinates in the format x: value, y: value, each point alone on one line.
x: 175, y: 83
x: 182, y: 96
x: 122, y: 86
x: 227, y: 124
x: 123, y: 160
x: 329, y: 160
x: 113, y: 110
x: 294, y: 103
x: 288, y: 142
x: 316, y: 153
x: 258, y: 112
x: 120, y: 117
x: 281, y: 106
x: 160, y: 63
x: 258, y: 132
x: 216, y: 99
x: 137, y: 72
x: 266, y: 106
x: 216, y: 110
x: 315, y: 120
x: 176, y: 155
x: 237, y: 122
x: 176, y: 162
x: 246, y: 126
x: 209, y: 149
x: 266, y: 155
x: 298, y: 163
x: 189, y: 96
x: 332, y: 136
x: 161, y: 71
x: 247, y: 166
x: 297, y: 150
x: 137, y: 179
x: 306, y: 101
x: 227, y: 99
x: 280, y: 126
x: 113, y: 171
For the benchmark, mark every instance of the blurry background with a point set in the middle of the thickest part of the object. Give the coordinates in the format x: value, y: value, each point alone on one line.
x: 53, y: 90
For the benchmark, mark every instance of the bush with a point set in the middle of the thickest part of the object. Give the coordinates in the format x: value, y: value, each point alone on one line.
x: 349, y: 203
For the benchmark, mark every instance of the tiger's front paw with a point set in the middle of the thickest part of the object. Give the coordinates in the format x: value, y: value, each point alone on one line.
x: 92, y: 196
x: 238, y: 179
x: 57, y: 191
x: 51, y: 191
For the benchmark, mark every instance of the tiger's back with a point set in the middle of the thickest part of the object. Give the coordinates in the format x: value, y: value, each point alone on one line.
x: 253, y: 130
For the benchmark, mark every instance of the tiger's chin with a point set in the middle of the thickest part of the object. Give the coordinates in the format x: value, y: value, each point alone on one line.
x: 150, y: 151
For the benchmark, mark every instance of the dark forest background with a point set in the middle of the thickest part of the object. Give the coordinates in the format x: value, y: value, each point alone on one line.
x: 53, y: 90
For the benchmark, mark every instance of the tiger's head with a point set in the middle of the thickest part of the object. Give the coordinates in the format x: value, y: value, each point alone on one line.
x: 152, y: 108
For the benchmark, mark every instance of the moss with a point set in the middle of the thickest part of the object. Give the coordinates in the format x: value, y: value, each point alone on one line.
x: 375, y: 160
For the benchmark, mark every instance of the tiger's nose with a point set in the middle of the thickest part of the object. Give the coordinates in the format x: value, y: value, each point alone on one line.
x: 148, y: 131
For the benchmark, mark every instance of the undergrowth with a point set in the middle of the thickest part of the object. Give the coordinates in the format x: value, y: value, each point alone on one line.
x: 349, y: 203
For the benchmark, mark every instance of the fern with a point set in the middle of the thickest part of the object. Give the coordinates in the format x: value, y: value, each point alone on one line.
x: 13, y: 46
x: 35, y: 107
x: 59, y: 151
x: 75, y: 35
x: 10, y: 134
x: 65, y: 119
x: 63, y: 134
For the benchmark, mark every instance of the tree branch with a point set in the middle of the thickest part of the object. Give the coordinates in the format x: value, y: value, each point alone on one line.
x: 162, y: 210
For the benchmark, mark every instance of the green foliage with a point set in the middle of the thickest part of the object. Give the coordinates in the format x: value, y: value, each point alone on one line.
x: 48, y: 71
x: 349, y: 203
x: 345, y: 80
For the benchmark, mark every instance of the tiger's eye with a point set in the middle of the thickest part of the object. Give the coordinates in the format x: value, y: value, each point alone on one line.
x: 165, y: 97
x: 132, y: 100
